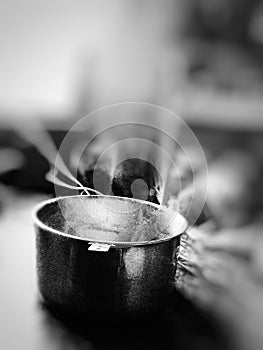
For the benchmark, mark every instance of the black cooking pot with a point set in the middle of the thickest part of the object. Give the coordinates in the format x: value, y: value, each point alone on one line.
x: 103, y: 255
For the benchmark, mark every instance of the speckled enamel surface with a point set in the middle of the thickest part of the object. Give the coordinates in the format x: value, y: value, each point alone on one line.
x: 123, y: 280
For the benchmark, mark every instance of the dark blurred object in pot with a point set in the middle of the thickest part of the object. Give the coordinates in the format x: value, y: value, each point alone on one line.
x: 133, y: 178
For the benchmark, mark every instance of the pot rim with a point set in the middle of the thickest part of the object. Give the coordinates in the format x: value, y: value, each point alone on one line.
x: 40, y: 224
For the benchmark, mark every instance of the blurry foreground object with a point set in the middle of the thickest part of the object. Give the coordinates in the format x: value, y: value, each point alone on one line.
x: 220, y: 262
x: 222, y: 273
x: 10, y: 159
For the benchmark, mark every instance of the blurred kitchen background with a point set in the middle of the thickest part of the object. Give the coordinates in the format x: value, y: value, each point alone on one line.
x: 62, y: 59
x: 201, y: 59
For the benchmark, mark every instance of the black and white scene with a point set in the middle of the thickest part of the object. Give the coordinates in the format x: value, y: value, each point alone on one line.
x: 131, y: 167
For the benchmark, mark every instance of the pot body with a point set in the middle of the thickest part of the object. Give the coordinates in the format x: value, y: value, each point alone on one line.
x: 125, y: 280
x: 120, y: 281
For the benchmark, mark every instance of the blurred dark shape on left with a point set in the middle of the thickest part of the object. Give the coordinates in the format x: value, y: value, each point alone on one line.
x: 30, y: 176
